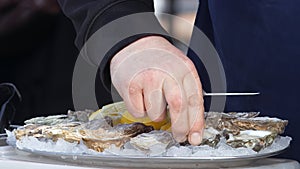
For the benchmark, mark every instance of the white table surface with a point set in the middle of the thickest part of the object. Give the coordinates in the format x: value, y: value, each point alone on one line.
x: 11, y: 159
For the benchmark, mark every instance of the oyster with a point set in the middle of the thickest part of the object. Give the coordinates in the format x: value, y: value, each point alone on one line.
x: 49, y: 132
x: 78, y: 116
x: 101, y: 129
x: 274, y: 125
x: 49, y: 120
x: 211, y: 137
x: 236, y: 122
x: 149, y: 142
x: 97, y: 134
x: 254, y: 139
x: 246, y: 129
x: 82, y: 116
x: 101, y: 139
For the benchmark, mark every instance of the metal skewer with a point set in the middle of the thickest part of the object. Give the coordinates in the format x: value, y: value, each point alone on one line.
x: 229, y: 94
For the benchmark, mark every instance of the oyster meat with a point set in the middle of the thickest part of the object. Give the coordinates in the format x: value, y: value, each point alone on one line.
x: 246, y: 129
x: 254, y: 139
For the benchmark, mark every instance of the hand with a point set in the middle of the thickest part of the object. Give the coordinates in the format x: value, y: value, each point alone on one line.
x: 150, y: 74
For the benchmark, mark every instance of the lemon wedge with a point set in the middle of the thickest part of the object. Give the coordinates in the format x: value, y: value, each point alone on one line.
x: 120, y: 115
x: 95, y: 115
x: 127, y: 118
x: 167, y: 127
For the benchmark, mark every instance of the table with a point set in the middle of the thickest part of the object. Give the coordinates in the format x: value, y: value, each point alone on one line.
x: 10, y: 158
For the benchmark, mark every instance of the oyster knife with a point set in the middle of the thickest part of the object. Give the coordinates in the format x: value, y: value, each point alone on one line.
x: 230, y: 94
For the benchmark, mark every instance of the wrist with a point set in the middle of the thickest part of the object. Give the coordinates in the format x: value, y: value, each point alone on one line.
x: 149, y: 42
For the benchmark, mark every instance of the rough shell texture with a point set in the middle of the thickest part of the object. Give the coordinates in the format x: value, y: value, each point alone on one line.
x: 211, y: 137
x: 146, y: 141
x: 97, y: 134
x: 101, y: 139
x: 254, y: 139
x: 103, y: 131
x: 236, y: 122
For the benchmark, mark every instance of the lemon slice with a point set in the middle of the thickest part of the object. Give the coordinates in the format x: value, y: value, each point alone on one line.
x: 120, y: 115
x: 95, y: 115
x: 127, y: 118
x: 167, y: 127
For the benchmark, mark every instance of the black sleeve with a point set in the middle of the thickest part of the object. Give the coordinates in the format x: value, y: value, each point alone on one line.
x: 90, y: 15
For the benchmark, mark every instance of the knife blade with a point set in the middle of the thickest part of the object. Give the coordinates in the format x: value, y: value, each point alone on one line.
x: 230, y: 94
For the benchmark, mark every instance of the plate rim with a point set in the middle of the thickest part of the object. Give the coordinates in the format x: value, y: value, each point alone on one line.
x: 157, y: 158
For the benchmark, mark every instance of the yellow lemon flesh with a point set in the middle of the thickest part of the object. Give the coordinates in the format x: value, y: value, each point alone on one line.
x: 127, y: 118
x: 94, y: 115
x: 119, y: 114
x: 167, y: 127
x: 99, y: 114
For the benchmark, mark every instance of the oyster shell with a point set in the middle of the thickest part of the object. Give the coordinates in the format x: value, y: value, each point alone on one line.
x: 49, y: 120
x: 239, y: 130
x: 254, y: 139
x: 72, y: 116
x: 246, y: 129
x: 101, y: 139
x: 97, y: 134
x: 149, y: 142
x: 274, y: 125
x: 211, y: 137
x: 82, y: 116
x: 236, y: 122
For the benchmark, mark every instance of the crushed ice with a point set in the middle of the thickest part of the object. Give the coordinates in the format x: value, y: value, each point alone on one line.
x: 222, y: 150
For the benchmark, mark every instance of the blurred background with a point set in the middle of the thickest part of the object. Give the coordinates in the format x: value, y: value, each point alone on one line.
x: 37, y: 52
x: 186, y: 9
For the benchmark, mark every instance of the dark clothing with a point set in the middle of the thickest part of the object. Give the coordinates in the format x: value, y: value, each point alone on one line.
x: 40, y: 63
x: 90, y: 15
x: 257, y: 42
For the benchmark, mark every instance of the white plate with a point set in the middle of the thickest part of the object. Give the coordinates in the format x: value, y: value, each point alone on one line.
x: 154, y: 162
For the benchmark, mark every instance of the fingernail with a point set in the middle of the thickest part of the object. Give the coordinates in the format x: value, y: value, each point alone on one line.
x: 196, y: 138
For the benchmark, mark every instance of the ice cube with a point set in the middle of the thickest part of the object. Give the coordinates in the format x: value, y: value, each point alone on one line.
x: 181, y: 151
x: 157, y: 150
x: 279, y: 143
x: 11, y: 138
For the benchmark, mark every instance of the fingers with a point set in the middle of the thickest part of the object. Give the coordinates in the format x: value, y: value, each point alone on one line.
x: 180, y: 86
x: 134, y: 100
x: 193, y: 91
x: 155, y: 104
x: 154, y: 99
x: 178, y: 109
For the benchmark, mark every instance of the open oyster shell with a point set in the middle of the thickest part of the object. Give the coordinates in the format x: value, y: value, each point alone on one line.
x: 254, y: 139
x: 147, y: 142
x: 97, y: 134
x: 246, y: 129
x: 101, y: 139
x: 236, y: 122
x: 103, y: 130
x: 211, y: 137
